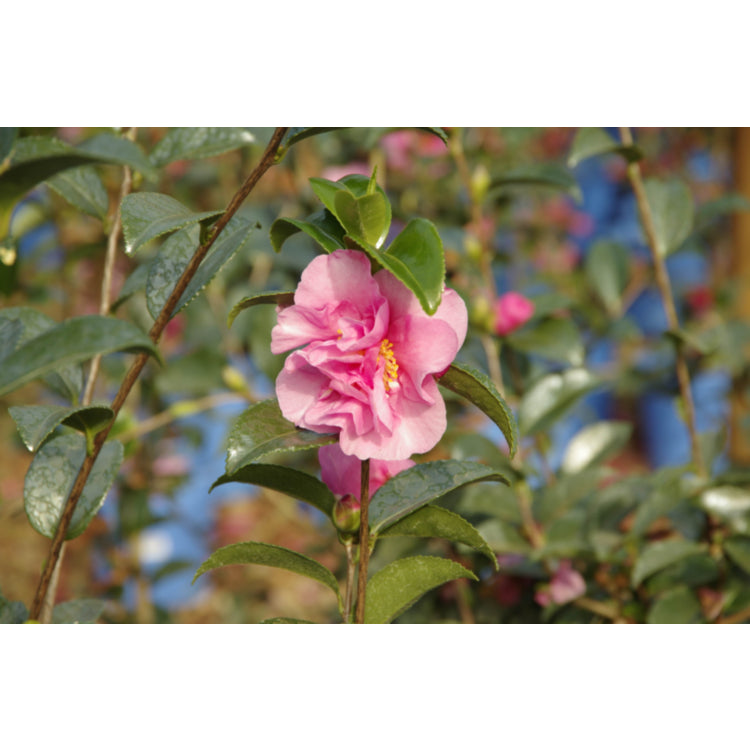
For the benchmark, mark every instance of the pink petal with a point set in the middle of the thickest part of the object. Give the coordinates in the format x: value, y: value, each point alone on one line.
x: 512, y: 310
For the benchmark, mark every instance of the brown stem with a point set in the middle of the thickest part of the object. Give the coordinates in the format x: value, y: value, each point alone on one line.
x: 665, y: 291
x: 364, y: 541
x: 351, y: 565
x: 267, y: 160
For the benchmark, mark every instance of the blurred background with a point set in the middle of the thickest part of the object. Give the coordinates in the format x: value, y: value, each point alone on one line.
x: 503, y: 194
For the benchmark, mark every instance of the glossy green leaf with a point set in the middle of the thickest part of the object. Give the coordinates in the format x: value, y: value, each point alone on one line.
x: 134, y: 283
x: 477, y: 388
x: 36, y: 159
x: 680, y: 606
x: 36, y: 423
x: 557, y: 339
x: 74, y: 340
x: 321, y: 226
x: 590, y: 142
x: 262, y: 431
x: 198, y: 143
x: 296, y: 484
x: 114, y: 149
x: 7, y: 139
x: 738, y: 550
x: 658, y: 555
x: 83, y: 188
x: 295, y: 135
x: 396, y: 587
x: 595, y: 443
x: 607, y: 272
x: 412, y: 488
x: 416, y: 258
x: 671, y: 205
x: 551, y: 396
x: 730, y: 504
x: 20, y: 325
x: 52, y: 474
x: 146, y: 216
x: 175, y: 255
x: 366, y: 217
x: 433, y: 521
x: 280, y: 299
x: 257, y: 553
x: 77, y: 612
x: 551, y: 176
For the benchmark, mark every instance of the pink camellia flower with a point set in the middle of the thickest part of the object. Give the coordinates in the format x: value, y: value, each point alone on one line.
x: 369, y: 359
x: 566, y: 584
x: 512, y: 310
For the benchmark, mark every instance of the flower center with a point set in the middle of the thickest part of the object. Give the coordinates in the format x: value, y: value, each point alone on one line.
x: 390, y: 373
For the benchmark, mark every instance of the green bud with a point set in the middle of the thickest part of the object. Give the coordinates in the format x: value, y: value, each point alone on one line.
x: 480, y: 183
x: 346, y: 514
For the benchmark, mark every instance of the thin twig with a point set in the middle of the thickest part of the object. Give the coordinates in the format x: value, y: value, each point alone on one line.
x: 364, y: 541
x: 665, y: 291
x: 351, y: 565
x: 267, y: 160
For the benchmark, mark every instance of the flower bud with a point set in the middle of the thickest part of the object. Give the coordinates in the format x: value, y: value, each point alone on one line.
x: 346, y: 514
x: 473, y: 247
x: 480, y: 183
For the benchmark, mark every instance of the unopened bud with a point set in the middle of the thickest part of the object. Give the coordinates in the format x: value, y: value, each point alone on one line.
x: 480, y: 183
x: 473, y: 247
x: 346, y: 514
x: 233, y: 379
x: 481, y: 313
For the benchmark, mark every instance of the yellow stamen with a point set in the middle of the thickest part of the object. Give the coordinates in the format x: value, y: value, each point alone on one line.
x: 390, y: 374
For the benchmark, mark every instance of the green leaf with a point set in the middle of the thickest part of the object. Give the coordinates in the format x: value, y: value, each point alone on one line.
x: 671, y: 206
x: 74, y: 340
x: 679, y: 606
x: 590, y: 142
x: 595, y: 443
x: 730, y: 504
x: 79, y: 611
x: 262, y: 431
x: 52, y: 474
x: 363, y: 211
x: 136, y: 282
x: 551, y: 396
x: 66, y: 380
x: 396, y: 587
x: 280, y: 299
x: 257, y: 553
x: 36, y: 159
x: 7, y: 139
x: 692, y: 343
x: 175, y: 255
x: 416, y: 258
x: 12, y: 613
x: 476, y: 387
x: 198, y: 143
x: 738, y: 549
x: 286, y: 621
x: 366, y: 217
x: 295, y: 135
x: 658, y: 555
x: 412, y: 488
x: 708, y: 212
x: 503, y: 537
x: 36, y: 423
x: 553, y: 176
x: 146, y: 216
x: 114, y: 149
x: 83, y: 188
x: 607, y: 273
x: 433, y: 521
x: 554, y: 338
x: 296, y: 484
x: 322, y: 226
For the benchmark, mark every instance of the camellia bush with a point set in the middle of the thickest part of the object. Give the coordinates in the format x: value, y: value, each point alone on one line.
x: 473, y: 375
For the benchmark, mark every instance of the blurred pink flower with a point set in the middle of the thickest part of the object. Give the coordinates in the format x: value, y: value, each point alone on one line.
x: 403, y: 146
x: 343, y: 475
x: 369, y: 358
x: 512, y: 310
x: 566, y: 585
